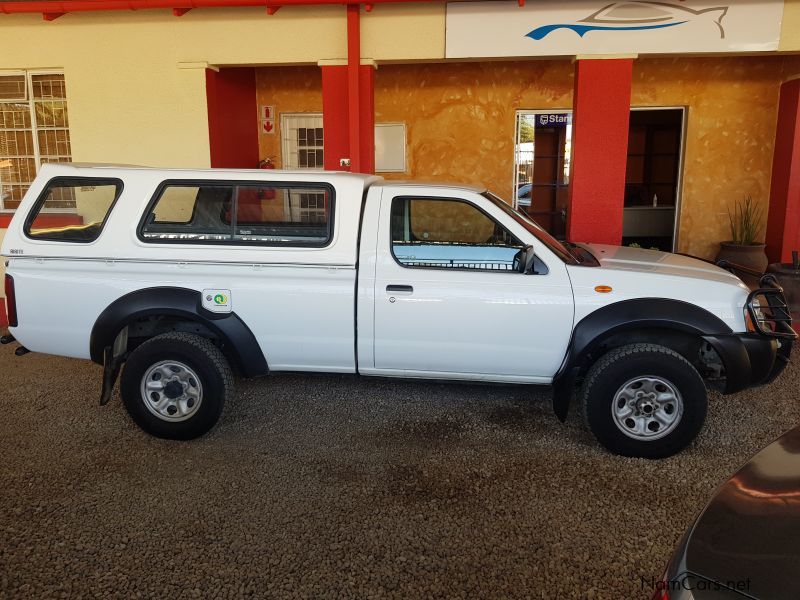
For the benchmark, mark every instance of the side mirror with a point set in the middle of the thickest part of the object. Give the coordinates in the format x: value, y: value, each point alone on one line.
x: 525, y: 260
x: 530, y: 261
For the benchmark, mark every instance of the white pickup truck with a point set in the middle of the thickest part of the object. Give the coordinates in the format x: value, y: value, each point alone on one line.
x: 188, y: 277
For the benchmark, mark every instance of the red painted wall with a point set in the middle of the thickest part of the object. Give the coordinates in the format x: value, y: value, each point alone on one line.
x: 783, y: 218
x: 601, y: 113
x: 336, y: 120
x: 232, y: 117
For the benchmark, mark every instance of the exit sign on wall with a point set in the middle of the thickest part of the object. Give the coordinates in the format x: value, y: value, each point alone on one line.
x: 266, y: 114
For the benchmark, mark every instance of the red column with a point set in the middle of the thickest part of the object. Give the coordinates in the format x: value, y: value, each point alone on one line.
x: 601, y: 114
x: 783, y: 218
x: 353, y: 85
x: 336, y: 138
x: 348, y: 110
x: 336, y: 117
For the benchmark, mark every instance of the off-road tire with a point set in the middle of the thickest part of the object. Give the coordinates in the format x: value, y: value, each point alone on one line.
x: 199, y: 354
x: 620, y: 365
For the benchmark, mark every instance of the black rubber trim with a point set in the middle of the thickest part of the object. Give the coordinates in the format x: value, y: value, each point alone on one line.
x: 178, y: 302
x: 638, y: 313
x: 750, y: 359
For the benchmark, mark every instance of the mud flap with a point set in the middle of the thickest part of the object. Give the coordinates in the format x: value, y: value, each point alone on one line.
x: 113, y: 357
x: 563, y: 390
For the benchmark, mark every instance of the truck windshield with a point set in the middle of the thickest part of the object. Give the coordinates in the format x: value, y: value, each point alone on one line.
x: 561, y: 250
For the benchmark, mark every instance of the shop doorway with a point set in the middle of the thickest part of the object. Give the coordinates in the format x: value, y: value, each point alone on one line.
x: 653, y: 176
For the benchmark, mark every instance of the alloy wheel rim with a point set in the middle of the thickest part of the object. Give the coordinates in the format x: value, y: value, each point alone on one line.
x: 647, y: 408
x: 171, y: 391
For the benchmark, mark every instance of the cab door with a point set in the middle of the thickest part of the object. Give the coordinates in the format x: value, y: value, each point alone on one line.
x: 448, y: 300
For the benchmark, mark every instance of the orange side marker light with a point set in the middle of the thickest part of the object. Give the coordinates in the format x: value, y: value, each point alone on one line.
x: 603, y: 289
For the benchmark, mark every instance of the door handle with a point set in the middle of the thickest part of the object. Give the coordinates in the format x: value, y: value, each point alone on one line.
x: 399, y: 289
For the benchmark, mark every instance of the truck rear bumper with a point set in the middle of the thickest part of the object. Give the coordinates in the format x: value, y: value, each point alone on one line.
x: 750, y: 359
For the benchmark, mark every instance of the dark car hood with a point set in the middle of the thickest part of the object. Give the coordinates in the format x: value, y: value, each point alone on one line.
x: 751, y: 528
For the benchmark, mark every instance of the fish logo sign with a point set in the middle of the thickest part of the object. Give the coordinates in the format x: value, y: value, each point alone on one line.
x: 636, y: 16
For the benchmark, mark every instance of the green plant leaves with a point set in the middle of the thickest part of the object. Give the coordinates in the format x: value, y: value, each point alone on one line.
x: 745, y: 221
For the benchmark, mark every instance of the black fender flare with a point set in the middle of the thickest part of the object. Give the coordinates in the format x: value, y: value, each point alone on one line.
x: 627, y: 315
x: 184, y: 303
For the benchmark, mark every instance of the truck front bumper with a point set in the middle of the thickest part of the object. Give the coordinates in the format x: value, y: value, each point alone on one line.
x: 759, y: 356
x: 750, y: 359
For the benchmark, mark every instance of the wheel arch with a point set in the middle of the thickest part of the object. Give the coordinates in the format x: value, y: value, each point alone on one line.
x: 678, y: 325
x: 178, y: 305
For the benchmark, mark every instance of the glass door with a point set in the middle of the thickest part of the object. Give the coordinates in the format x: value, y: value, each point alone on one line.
x: 652, y: 181
x: 542, y: 167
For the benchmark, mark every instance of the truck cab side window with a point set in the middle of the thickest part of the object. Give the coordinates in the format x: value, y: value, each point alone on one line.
x: 454, y: 234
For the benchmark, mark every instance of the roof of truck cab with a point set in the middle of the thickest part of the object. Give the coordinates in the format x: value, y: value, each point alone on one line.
x: 429, y: 184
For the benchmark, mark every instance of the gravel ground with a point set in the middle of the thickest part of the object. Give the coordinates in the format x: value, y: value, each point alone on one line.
x: 317, y: 486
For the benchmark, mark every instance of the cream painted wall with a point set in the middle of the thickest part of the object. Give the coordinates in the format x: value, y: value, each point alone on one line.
x: 136, y: 80
x: 404, y: 32
x: 790, y: 27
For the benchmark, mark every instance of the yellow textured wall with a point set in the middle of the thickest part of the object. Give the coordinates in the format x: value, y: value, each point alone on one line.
x: 460, y: 117
x: 460, y: 122
x: 733, y: 107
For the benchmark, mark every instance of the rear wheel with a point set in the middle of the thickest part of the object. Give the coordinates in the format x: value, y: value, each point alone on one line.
x: 175, y: 385
x: 644, y: 400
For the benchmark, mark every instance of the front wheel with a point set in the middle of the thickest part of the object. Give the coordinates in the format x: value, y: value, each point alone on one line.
x: 644, y: 400
x: 175, y: 385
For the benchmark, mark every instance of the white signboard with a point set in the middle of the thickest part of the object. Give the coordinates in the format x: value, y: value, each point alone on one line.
x: 390, y: 147
x: 558, y: 28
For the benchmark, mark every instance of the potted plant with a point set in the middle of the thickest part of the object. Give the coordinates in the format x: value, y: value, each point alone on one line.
x: 743, y: 249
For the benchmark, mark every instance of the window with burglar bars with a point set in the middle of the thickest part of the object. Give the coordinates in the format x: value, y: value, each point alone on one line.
x: 302, y: 147
x: 34, y: 129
